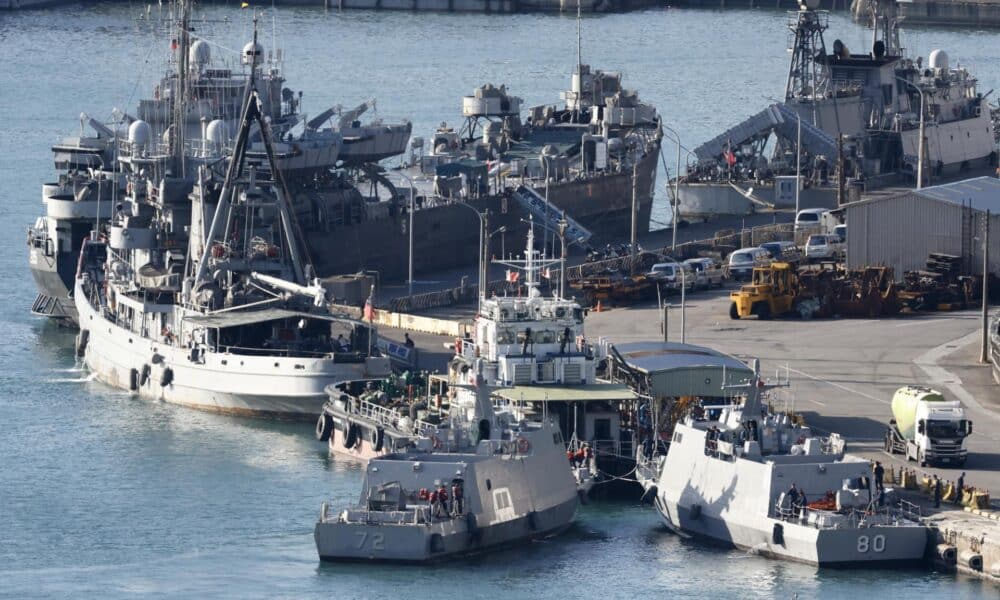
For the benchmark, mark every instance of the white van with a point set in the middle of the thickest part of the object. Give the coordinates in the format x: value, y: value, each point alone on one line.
x: 810, y: 218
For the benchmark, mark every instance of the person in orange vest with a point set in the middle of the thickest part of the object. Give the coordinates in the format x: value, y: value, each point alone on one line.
x: 434, y: 502
x: 581, y: 456
x: 442, y: 493
x: 569, y: 456
x: 456, y: 497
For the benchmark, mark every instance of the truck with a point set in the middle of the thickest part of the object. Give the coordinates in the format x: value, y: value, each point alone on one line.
x: 927, y: 428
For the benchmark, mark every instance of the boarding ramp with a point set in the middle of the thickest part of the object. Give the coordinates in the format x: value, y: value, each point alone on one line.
x: 778, y: 118
x: 549, y: 215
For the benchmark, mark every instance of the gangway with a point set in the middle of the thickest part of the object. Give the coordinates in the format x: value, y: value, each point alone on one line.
x: 550, y: 216
x: 778, y: 118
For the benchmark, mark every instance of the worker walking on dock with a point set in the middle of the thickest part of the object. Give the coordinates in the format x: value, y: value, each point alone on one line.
x: 959, y: 487
x: 937, y: 492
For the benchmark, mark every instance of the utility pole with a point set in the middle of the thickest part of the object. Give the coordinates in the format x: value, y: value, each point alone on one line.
x: 984, y: 353
x: 841, y: 176
x: 798, y: 162
x: 635, y: 208
x: 563, y: 223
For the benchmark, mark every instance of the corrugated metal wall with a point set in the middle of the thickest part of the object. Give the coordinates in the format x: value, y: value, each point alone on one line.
x: 902, y: 231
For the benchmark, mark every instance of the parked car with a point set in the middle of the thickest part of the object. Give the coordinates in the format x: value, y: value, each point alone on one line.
x: 741, y: 262
x: 824, y: 246
x: 784, y: 251
x: 668, y: 276
x: 809, y: 218
x: 707, y: 272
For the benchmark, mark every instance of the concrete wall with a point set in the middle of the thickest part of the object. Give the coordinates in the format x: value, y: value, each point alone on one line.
x: 951, y: 12
x: 902, y: 231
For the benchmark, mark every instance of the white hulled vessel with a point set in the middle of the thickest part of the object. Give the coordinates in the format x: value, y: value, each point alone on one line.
x: 207, y: 299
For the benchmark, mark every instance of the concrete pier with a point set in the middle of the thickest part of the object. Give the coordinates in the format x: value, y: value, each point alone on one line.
x: 983, y: 13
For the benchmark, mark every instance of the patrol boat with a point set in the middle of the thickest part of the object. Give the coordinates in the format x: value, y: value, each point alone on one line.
x: 730, y: 480
x: 526, y: 346
x: 509, y: 473
x: 207, y: 300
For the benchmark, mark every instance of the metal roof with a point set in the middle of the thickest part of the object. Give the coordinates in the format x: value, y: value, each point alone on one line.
x: 597, y: 392
x: 660, y: 357
x: 239, y: 318
x: 981, y: 193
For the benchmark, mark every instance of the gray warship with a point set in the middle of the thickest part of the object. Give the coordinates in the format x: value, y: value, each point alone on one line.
x: 208, y: 299
x: 192, y: 115
x: 503, y: 478
x: 739, y: 474
x: 587, y: 157
x: 861, y: 111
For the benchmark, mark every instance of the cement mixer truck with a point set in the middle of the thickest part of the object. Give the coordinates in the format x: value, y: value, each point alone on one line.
x: 927, y: 428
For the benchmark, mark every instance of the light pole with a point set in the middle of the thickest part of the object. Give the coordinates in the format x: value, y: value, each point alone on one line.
x: 482, y: 235
x: 410, y: 232
x: 677, y: 190
x: 920, y: 145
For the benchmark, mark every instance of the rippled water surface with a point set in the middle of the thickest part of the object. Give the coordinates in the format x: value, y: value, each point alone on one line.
x: 102, y: 495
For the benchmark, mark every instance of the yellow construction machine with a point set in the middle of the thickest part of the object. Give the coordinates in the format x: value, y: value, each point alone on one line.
x: 773, y: 291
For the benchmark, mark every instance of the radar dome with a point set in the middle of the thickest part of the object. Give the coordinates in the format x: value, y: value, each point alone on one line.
x: 938, y: 60
x: 217, y: 132
x: 252, y: 53
x: 139, y: 133
x: 200, y: 53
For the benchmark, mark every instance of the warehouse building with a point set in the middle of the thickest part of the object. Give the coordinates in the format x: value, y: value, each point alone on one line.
x: 900, y: 231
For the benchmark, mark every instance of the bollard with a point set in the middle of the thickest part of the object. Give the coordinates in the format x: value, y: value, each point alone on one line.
x: 947, y: 553
x: 970, y: 559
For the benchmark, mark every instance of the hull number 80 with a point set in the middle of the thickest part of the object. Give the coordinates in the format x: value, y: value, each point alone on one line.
x: 873, y: 544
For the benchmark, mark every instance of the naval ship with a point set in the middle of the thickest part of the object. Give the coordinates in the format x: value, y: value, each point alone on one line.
x: 528, y: 344
x: 741, y: 475
x: 587, y: 158
x: 193, y: 113
x: 207, y: 299
x: 481, y: 479
x: 861, y: 111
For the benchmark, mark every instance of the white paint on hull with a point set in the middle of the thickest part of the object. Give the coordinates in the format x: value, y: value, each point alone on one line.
x: 266, y: 386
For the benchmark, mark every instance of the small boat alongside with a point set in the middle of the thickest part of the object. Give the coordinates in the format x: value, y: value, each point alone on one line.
x: 484, y: 478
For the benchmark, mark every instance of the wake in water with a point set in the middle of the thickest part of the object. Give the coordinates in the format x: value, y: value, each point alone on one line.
x: 89, y: 377
x: 76, y: 369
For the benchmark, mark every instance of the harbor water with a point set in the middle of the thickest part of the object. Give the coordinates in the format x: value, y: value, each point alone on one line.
x: 103, y: 495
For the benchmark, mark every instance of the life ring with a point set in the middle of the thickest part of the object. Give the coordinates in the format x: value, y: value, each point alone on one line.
x: 523, y: 445
x: 435, y: 442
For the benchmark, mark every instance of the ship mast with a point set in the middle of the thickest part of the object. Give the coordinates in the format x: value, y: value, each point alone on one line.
x: 180, y: 92
x: 252, y: 112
